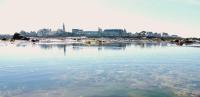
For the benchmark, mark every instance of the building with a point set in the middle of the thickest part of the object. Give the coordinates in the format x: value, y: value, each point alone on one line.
x: 33, y: 34
x: 92, y: 33
x: 77, y: 32
x: 114, y: 32
x: 164, y: 35
x: 100, y: 30
x: 3, y: 36
x: 149, y: 34
x: 60, y: 32
x: 174, y: 36
x: 63, y: 28
x: 157, y: 35
x: 44, y: 32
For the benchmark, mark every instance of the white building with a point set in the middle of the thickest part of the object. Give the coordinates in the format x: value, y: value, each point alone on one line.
x: 165, y: 35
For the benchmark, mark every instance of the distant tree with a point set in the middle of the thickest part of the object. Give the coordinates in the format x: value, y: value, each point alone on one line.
x: 143, y: 33
x: 17, y: 36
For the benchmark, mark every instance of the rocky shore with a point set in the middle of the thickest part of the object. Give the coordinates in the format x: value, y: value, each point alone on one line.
x: 101, y: 41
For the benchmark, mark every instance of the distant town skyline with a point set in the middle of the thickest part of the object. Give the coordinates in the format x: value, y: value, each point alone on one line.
x: 179, y: 17
x: 99, y: 33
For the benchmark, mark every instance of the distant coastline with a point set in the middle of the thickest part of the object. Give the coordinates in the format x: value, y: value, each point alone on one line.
x: 97, y: 37
x: 99, y: 41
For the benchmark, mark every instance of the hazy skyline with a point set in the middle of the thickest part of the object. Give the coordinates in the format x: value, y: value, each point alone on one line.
x: 173, y: 16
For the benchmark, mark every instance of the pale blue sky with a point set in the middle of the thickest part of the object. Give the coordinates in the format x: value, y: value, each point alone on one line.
x: 173, y: 16
x: 177, y: 10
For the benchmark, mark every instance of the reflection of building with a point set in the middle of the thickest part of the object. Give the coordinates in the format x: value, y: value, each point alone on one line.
x: 116, y: 46
x: 51, y: 46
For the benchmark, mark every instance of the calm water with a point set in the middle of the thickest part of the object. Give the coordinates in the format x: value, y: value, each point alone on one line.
x: 116, y: 70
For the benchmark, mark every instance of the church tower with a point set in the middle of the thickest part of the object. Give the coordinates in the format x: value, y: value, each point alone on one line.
x: 63, y: 27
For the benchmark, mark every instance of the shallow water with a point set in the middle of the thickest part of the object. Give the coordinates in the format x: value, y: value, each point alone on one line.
x: 114, y: 70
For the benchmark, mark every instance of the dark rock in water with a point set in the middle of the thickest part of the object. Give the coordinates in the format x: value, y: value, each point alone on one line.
x: 12, y: 40
x: 25, y: 38
x: 18, y: 36
x: 34, y: 40
x: 178, y: 42
x: 188, y: 41
x: 4, y: 39
x: 182, y: 41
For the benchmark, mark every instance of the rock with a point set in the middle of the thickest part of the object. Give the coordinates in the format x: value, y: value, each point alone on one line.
x: 34, y: 40
x: 4, y: 39
x: 18, y: 36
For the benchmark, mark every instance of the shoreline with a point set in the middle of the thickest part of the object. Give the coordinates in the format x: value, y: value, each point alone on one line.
x: 97, y: 42
x: 102, y: 41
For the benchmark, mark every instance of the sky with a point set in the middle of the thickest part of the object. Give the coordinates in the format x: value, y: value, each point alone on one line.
x: 179, y: 17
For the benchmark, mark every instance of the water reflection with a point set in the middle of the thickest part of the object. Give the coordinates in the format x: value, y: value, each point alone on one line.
x: 140, y: 69
x: 112, y: 46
